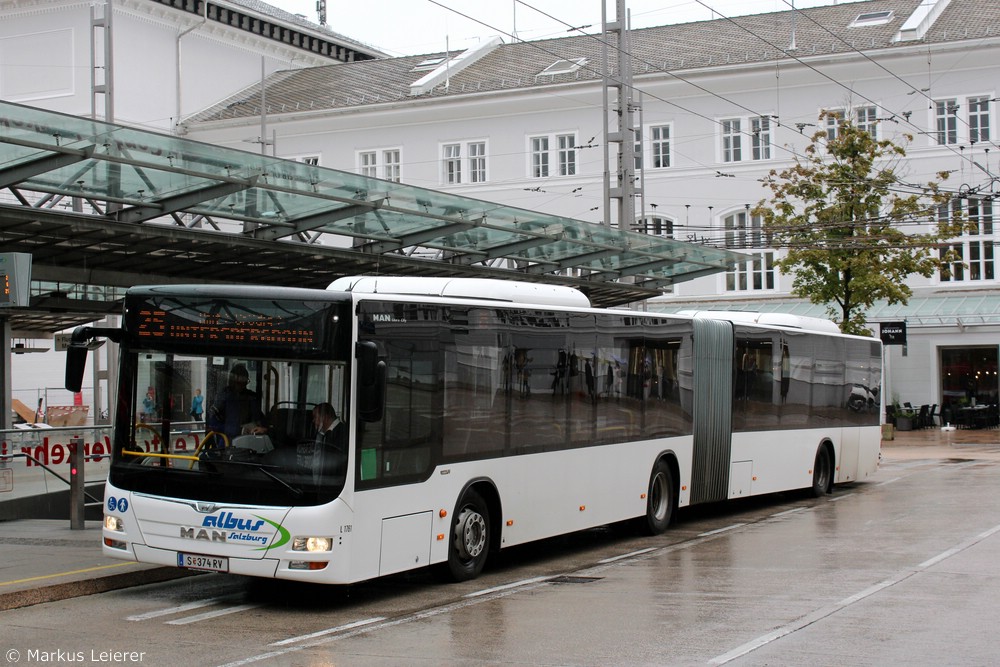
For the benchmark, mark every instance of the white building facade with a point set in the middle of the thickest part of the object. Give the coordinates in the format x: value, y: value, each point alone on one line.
x: 169, y: 58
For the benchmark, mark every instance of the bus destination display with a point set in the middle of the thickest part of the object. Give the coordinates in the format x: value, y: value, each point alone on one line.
x: 233, y: 327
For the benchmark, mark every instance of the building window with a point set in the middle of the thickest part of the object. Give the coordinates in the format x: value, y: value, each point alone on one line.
x: 866, y: 119
x: 833, y: 122
x: 755, y: 274
x: 388, y: 168
x: 656, y: 225
x: 760, y: 128
x: 871, y: 18
x: 972, y: 257
x: 464, y: 162
x: 732, y: 141
x: 541, y: 150
x: 567, y: 154
x: 979, y: 119
x: 311, y: 160
x: 946, y: 121
x: 391, y: 165
x: 368, y: 164
x: 452, y: 163
x: 539, y: 157
x: 563, y: 67
x: 477, y: 162
x: 660, y: 146
x: 745, y: 231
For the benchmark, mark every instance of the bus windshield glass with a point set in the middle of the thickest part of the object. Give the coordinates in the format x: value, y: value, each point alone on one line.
x: 245, y: 429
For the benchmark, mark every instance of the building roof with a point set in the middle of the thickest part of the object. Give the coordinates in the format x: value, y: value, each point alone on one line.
x: 303, y: 33
x: 670, y: 50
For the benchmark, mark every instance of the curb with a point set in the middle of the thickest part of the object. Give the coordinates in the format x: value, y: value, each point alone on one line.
x: 73, y: 589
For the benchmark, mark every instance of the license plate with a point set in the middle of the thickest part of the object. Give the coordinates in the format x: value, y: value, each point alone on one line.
x: 198, y: 562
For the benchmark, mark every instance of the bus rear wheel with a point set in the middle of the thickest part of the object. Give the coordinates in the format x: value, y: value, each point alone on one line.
x: 470, y: 537
x: 822, y: 472
x: 659, y: 499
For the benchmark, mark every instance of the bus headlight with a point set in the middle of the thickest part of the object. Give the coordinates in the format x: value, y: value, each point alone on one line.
x: 312, y: 544
x: 114, y: 523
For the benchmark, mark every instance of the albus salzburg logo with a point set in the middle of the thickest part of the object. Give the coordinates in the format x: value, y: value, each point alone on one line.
x: 227, y: 528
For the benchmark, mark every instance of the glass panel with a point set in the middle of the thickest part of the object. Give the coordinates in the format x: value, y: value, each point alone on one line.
x: 178, y: 174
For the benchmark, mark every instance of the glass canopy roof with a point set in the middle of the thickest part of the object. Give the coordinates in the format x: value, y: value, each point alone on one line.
x: 151, y: 177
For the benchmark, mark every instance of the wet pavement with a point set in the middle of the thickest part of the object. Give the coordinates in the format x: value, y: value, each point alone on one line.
x: 45, y: 560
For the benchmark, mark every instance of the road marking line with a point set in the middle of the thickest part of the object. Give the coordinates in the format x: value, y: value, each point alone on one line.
x: 628, y: 555
x: 328, y: 631
x: 64, y: 574
x: 506, y: 587
x: 213, y: 614
x: 175, y: 610
x: 722, y: 530
x: 787, y: 512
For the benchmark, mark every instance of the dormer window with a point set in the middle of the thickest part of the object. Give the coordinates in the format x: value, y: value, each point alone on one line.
x: 872, y: 18
x: 563, y: 67
x: 427, y: 65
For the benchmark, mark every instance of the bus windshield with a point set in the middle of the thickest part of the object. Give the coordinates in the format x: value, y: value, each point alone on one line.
x: 231, y: 429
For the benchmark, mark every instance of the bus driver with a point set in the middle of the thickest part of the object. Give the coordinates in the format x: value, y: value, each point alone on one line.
x: 236, y: 410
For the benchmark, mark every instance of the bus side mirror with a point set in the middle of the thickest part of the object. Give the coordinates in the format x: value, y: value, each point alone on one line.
x: 371, y: 382
x: 81, y: 342
x: 76, y: 363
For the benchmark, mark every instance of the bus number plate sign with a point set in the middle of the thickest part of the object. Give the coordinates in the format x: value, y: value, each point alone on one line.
x: 199, y: 562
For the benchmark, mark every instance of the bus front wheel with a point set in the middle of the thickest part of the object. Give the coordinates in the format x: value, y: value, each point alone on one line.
x: 470, y: 537
x: 822, y: 472
x: 659, y: 499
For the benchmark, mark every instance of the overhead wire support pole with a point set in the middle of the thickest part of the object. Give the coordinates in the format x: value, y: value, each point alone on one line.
x: 624, y: 191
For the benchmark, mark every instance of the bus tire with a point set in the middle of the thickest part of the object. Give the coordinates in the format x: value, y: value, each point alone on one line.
x: 659, y: 499
x: 469, y: 544
x: 822, y: 472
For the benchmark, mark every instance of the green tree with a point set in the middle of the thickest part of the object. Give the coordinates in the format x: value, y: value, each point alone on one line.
x: 852, y: 227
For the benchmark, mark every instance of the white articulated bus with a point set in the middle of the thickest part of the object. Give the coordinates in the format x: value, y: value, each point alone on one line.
x: 476, y: 415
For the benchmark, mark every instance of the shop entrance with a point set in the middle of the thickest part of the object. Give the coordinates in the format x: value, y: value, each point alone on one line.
x: 968, y: 378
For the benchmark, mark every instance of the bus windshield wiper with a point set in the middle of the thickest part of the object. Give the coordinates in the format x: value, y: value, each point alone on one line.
x: 263, y: 470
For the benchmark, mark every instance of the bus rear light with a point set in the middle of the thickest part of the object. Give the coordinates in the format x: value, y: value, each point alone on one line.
x: 306, y: 565
x: 113, y: 544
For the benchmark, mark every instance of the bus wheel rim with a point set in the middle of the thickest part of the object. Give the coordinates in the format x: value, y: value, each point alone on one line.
x: 658, y: 496
x: 470, y: 534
